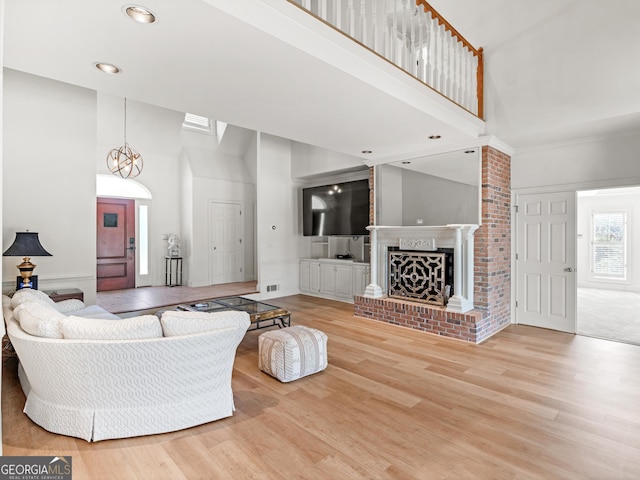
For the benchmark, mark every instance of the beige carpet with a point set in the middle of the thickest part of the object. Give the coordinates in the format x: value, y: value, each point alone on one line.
x: 609, y: 314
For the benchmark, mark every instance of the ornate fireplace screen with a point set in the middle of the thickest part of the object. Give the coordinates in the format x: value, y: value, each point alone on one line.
x: 418, y: 275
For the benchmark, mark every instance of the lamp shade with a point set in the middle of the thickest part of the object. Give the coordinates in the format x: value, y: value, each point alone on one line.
x: 26, y: 244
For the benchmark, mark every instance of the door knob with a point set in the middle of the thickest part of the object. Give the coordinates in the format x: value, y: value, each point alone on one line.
x: 568, y: 269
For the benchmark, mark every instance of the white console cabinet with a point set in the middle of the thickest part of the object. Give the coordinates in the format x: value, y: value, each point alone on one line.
x: 334, y: 279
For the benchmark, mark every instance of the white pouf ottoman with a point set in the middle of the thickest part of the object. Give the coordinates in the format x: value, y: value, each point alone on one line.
x: 293, y: 352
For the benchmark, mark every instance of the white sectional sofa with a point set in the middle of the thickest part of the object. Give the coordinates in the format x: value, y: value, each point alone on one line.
x: 103, y: 377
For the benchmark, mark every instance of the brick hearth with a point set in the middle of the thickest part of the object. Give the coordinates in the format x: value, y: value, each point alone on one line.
x: 420, y: 316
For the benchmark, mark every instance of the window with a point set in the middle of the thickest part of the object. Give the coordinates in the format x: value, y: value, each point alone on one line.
x: 143, y: 239
x: 197, y: 123
x: 608, y: 245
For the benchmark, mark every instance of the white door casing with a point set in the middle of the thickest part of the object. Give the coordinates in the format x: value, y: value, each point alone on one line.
x: 545, y: 260
x: 226, y: 243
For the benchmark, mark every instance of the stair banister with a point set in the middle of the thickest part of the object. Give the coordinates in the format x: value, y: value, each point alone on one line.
x: 418, y: 40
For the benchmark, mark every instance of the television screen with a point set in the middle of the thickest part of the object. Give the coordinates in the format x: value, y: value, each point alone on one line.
x: 337, y: 209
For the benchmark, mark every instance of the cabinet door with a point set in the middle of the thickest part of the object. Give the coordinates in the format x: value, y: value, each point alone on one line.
x: 328, y: 279
x: 360, y: 279
x: 305, y: 268
x: 344, y: 281
x: 314, y: 277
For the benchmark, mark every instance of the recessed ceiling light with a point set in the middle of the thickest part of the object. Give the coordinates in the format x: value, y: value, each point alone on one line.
x: 469, y: 151
x: 434, y: 137
x: 139, y: 14
x: 107, y: 68
x: 367, y: 152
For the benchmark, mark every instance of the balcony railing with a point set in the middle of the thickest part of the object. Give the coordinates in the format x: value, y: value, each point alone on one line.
x: 413, y: 36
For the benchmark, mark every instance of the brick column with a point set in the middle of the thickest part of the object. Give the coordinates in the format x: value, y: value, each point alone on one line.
x: 492, y: 294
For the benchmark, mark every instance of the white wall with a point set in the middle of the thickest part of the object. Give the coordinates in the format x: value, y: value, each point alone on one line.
x: 217, y: 177
x: 388, y: 195
x: 308, y: 161
x: 611, y: 201
x: 186, y: 218
x: 54, y: 129
x: 49, y: 178
x: 278, y: 225
x: 611, y: 160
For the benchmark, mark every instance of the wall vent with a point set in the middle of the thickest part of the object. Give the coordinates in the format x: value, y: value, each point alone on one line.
x: 273, y: 288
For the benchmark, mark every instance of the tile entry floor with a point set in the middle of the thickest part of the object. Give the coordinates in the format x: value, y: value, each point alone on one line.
x: 150, y: 299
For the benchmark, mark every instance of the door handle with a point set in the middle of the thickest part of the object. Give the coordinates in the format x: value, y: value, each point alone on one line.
x: 568, y: 269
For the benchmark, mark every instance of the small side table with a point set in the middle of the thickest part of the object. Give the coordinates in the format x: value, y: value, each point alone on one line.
x: 173, y: 271
x: 65, y: 294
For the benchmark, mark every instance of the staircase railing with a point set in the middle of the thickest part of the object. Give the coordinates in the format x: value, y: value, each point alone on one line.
x: 415, y: 37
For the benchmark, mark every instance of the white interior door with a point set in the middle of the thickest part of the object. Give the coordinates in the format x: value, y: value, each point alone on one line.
x: 226, y: 243
x: 545, y: 261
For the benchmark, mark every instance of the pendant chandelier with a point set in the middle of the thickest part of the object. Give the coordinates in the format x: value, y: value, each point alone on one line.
x: 124, y: 161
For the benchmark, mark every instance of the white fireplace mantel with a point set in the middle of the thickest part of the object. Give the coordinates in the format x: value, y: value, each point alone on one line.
x: 456, y: 236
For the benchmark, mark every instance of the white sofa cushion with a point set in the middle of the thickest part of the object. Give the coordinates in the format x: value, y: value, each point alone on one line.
x: 176, y: 323
x: 134, y: 328
x: 39, y: 320
x: 36, y: 296
x: 29, y: 295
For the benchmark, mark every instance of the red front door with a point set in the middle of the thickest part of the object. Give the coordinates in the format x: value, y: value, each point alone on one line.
x: 116, y: 264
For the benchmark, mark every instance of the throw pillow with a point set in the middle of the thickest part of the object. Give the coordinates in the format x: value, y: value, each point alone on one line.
x: 176, y: 323
x: 39, y: 320
x: 71, y: 305
x: 30, y: 295
x: 134, y: 328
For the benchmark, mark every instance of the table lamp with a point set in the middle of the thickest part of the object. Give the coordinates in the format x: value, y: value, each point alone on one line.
x: 26, y: 245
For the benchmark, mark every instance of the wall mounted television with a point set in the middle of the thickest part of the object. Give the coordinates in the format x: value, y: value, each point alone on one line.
x: 336, y: 209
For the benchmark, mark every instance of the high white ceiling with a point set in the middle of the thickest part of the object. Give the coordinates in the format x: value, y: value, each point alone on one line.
x: 560, y: 67
x: 555, y: 69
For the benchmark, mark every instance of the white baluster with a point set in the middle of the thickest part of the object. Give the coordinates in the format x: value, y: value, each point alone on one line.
x: 322, y: 9
x: 363, y: 22
x: 421, y: 45
x: 474, y: 85
x: 374, y: 28
x: 404, y: 63
x: 413, y: 42
x: 394, y: 35
x: 350, y: 19
x: 386, y: 32
x: 454, y: 79
x: 449, y: 87
x: 444, y: 69
x: 306, y: 4
x: 437, y: 77
x: 463, y: 78
x: 337, y: 14
x: 470, y: 74
x: 430, y: 49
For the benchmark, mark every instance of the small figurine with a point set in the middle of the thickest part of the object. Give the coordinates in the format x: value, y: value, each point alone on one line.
x: 174, y: 245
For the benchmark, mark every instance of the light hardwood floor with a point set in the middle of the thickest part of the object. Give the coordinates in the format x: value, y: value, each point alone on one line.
x: 392, y: 404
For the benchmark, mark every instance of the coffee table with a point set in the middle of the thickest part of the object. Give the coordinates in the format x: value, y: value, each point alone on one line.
x: 262, y: 315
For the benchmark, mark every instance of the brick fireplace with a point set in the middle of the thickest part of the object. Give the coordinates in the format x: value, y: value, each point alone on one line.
x: 481, y: 303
